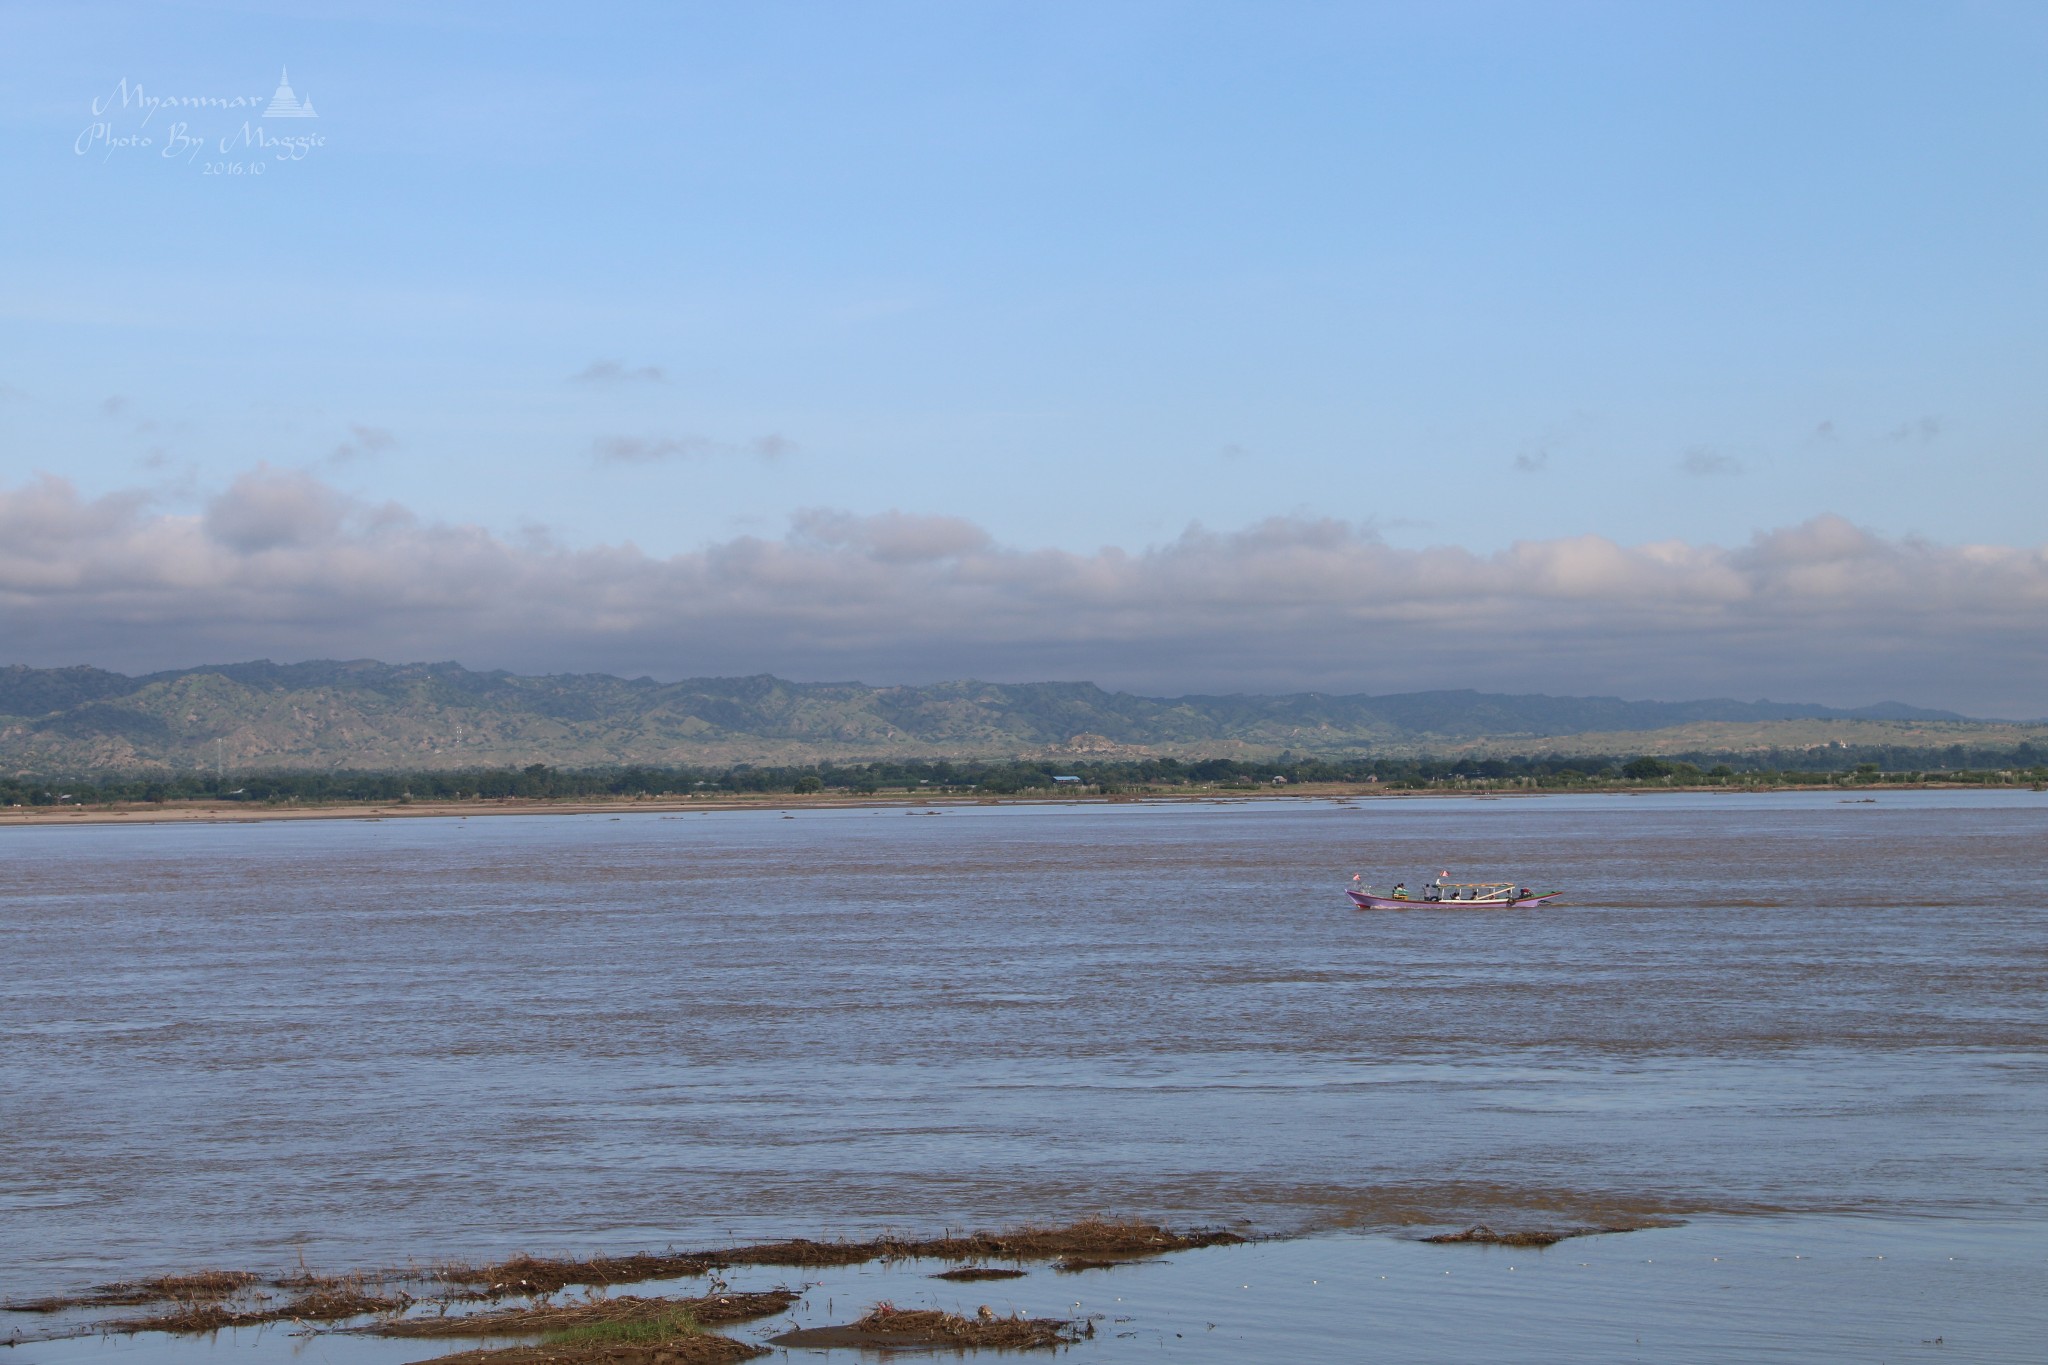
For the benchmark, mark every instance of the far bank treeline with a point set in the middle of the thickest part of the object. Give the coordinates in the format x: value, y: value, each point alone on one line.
x: 2024, y: 764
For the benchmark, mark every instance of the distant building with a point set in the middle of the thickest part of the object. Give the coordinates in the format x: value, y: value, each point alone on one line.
x: 1066, y: 779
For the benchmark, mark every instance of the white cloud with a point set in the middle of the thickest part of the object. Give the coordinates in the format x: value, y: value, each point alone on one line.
x: 1919, y: 431
x: 1706, y: 464
x: 268, y: 509
x: 649, y: 449
x: 609, y: 372
x: 893, y: 537
x: 362, y: 441
x: 655, y: 449
x: 1534, y: 456
x: 282, y: 565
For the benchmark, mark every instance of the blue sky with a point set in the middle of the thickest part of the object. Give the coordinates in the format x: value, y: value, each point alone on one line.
x: 1081, y: 275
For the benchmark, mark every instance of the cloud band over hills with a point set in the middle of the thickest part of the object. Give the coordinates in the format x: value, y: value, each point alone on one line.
x: 284, y: 565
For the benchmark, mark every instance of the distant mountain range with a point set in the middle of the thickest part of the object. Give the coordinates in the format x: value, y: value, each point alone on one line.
x: 366, y: 714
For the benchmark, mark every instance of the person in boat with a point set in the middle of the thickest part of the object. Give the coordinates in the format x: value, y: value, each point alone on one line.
x: 1400, y: 891
x: 1523, y: 894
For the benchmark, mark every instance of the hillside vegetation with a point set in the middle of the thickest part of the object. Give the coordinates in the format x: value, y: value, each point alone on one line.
x: 372, y: 716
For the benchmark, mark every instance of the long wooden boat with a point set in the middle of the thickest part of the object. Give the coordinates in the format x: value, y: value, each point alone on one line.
x: 1442, y: 893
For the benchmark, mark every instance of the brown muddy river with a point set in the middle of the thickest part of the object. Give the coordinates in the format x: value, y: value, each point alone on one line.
x: 1791, y: 1020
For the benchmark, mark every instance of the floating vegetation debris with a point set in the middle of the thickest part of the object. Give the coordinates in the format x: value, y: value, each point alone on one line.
x: 887, y: 1326
x: 1091, y: 1237
x: 199, y: 1285
x: 539, y: 1275
x: 341, y: 1297
x: 704, y: 1348
x: 970, y: 1273
x: 213, y: 1300
x: 599, y: 1312
x: 1539, y: 1237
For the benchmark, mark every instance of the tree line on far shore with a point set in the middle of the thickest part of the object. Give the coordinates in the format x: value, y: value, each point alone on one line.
x: 2025, y: 764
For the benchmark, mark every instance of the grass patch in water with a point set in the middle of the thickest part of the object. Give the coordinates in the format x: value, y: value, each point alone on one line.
x: 628, y: 1331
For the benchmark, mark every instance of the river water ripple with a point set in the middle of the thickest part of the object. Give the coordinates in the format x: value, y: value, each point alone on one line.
x: 359, y: 1042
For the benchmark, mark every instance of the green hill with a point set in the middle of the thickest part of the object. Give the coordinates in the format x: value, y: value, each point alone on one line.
x: 370, y: 715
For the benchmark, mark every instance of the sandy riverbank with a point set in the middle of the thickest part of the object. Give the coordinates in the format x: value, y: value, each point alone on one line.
x: 232, y: 812
x: 235, y: 812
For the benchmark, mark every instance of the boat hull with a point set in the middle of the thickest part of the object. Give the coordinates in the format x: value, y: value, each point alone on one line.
x: 1364, y: 901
